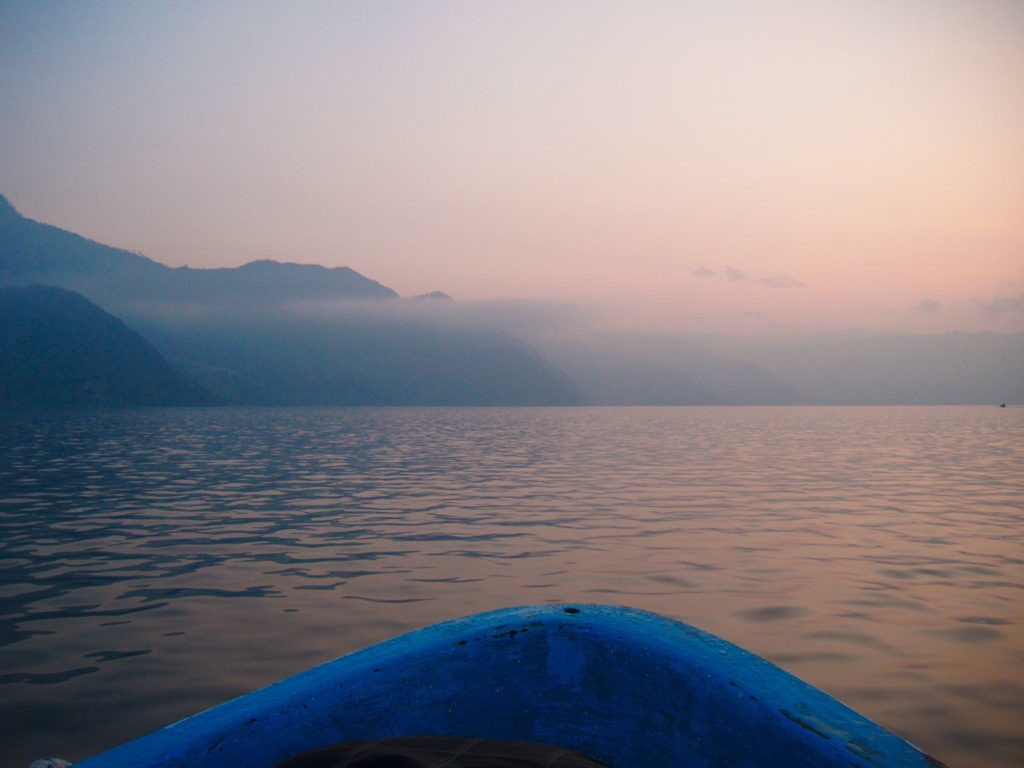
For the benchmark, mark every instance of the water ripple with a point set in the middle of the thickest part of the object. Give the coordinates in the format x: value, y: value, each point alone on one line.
x: 153, y: 563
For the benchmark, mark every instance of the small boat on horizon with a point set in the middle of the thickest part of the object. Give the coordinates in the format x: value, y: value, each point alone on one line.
x: 624, y: 687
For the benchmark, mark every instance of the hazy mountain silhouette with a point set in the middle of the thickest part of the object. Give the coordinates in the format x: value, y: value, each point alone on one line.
x: 638, y: 368
x: 59, y: 349
x: 248, y: 335
x: 296, y: 358
x: 271, y: 333
x: 33, y: 253
x: 937, y: 369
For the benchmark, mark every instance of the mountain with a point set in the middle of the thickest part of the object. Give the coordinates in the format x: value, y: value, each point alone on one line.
x: 59, y: 349
x: 932, y: 369
x: 287, y: 334
x: 337, y: 358
x: 271, y: 333
x: 642, y: 368
x: 34, y: 253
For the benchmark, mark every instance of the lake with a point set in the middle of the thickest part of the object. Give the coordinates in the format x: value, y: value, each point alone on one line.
x: 156, y: 562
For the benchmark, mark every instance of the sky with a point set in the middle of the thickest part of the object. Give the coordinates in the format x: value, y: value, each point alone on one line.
x: 737, y: 166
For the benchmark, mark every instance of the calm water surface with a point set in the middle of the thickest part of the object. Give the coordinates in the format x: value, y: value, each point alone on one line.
x: 154, y: 563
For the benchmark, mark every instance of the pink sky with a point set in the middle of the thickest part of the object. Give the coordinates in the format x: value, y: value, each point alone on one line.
x: 738, y: 166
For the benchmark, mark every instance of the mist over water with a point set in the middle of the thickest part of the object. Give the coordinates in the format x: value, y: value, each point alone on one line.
x: 154, y: 563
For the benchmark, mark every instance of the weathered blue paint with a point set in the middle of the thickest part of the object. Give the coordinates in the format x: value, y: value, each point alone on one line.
x: 629, y: 688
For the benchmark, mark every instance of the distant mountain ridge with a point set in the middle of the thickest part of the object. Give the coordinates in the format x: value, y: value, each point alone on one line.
x: 644, y: 368
x: 932, y: 369
x: 269, y: 333
x: 34, y: 253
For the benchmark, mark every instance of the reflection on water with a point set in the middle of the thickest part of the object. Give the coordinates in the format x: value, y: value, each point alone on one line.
x: 154, y: 563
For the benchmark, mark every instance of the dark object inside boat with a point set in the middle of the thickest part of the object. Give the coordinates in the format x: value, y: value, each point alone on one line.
x: 435, y: 751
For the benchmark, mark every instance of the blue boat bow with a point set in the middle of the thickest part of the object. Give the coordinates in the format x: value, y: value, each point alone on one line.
x: 628, y: 688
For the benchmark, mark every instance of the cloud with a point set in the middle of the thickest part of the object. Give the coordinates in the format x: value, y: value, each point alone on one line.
x: 929, y: 305
x: 1003, y: 304
x: 522, y: 318
x: 781, y: 281
x: 735, y: 275
x: 784, y: 280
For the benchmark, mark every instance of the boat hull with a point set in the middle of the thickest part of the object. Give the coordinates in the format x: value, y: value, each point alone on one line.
x: 628, y: 688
